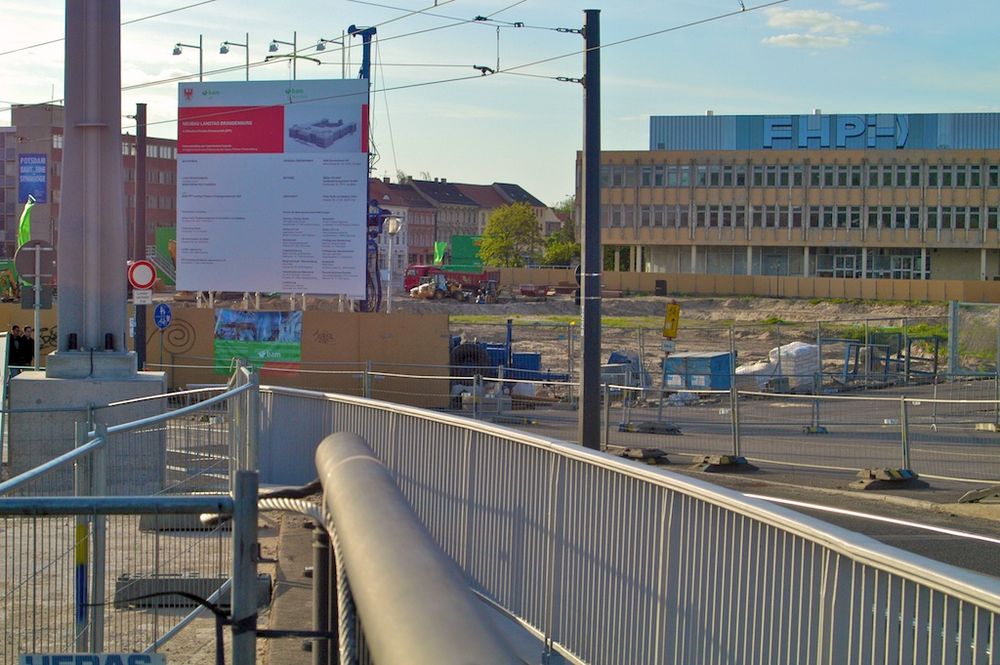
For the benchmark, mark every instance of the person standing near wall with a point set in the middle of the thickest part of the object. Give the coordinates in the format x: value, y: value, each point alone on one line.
x: 28, y: 339
x: 15, y: 351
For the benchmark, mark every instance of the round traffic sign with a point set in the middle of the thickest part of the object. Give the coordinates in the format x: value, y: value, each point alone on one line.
x: 162, y: 316
x: 141, y: 274
x: 36, y: 256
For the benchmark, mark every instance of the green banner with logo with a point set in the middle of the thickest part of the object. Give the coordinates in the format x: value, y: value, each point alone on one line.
x: 265, y: 340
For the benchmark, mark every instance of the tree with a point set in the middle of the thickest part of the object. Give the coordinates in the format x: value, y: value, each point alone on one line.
x: 560, y: 248
x: 511, y: 237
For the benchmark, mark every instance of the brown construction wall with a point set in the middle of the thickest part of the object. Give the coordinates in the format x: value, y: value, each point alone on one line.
x: 767, y: 286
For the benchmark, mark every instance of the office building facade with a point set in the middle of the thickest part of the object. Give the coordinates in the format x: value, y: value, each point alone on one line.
x: 898, y: 196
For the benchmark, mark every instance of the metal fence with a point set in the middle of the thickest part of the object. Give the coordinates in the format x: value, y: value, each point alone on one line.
x: 73, y: 581
x: 611, y: 562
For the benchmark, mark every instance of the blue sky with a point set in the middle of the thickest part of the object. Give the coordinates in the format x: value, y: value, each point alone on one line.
x: 434, y: 114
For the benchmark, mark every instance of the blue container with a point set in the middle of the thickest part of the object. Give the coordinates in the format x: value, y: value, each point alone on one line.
x: 698, y: 371
x: 526, y: 366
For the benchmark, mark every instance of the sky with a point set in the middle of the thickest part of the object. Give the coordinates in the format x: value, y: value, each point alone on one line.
x: 435, y: 115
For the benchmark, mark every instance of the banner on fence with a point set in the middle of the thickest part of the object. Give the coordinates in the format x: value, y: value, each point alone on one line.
x: 266, y: 340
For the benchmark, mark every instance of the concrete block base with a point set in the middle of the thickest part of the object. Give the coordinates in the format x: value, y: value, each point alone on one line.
x: 43, y: 415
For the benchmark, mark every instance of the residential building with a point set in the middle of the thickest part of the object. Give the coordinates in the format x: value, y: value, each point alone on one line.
x: 414, y: 241
x: 548, y: 223
x: 901, y: 196
x: 32, y: 153
x: 454, y: 212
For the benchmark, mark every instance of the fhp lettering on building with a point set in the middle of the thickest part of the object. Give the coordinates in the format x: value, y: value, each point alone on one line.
x: 818, y: 131
x: 92, y: 659
x: 824, y: 131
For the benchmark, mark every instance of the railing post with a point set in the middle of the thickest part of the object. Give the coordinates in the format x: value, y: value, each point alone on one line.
x: 735, y: 415
x: 607, y: 416
x: 253, y: 422
x: 368, y: 379
x: 321, y: 594
x: 500, y: 390
x: 81, y: 487
x: 934, y: 404
x: 244, y: 590
x: 904, y: 430
x: 477, y: 388
x: 99, y: 488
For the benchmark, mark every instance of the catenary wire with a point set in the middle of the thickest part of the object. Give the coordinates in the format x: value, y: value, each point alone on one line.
x: 129, y: 22
x: 510, y: 70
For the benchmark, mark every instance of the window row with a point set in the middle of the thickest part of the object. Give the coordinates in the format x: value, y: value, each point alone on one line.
x: 825, y: 217
x: 153, y: 176
x: 156, y: 151
x: 795, y: 175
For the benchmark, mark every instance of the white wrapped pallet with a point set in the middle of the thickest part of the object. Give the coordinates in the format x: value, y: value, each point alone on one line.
x: 798, y: 362
x: 755, y: 376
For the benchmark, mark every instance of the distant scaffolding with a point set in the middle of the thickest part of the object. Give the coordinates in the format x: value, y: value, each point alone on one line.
x: 323, y: 133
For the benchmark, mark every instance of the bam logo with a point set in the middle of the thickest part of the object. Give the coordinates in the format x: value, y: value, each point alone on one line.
x: 189, y: 93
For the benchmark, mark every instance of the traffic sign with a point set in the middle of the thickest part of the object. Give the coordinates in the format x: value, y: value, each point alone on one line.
x: 142, y: 296
x: 141, y: 274
x: 27, y: 266
x: 162, y: 316
x: 671, y: 319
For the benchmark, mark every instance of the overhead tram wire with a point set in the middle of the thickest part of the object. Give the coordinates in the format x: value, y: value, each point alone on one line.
x: 512, y: 70
x: 129, y: 22
x: 509, y: 70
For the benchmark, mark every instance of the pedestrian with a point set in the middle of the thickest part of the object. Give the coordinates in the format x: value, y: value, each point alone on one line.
x: 15, y: 351
x: 29, y: 346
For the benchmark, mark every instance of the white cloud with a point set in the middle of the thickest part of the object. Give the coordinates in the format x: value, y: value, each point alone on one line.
x: 794, y: 40
x: 810, y: 28
x: 863, y: 5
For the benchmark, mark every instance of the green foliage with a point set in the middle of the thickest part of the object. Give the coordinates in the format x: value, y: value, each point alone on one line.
x: 560, y: 249
x: 511, y: 238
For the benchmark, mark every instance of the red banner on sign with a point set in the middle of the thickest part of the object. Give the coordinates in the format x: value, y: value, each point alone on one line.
x: 231, y: 130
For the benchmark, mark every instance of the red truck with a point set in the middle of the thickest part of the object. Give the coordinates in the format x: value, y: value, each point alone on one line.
x: 469, y: 279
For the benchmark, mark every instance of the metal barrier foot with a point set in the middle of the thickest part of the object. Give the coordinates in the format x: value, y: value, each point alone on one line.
x: 887, y: 479
x: 722, y: 464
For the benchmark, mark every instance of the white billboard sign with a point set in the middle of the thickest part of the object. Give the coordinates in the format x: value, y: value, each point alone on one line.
x: 272, y: 181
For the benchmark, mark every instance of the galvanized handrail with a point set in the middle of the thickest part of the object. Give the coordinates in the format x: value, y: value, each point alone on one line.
x: 708, y: 565
x: 412, y: 598
x: 856, y: 545
x: 183, y: 411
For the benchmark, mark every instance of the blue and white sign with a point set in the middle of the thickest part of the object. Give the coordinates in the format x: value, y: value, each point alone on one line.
x: 32, y: 169
x: 92, y: 659
x: 162, y: 316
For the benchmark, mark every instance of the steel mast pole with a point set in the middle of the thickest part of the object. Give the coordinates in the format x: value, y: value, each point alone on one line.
x: 590, y: 295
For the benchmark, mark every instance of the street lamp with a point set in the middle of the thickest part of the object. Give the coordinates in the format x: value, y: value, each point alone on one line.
x: 273, y: 48
x: 224, y: 49
x: 392, y: 226
x: 201, y: 68
x: 321, y: 46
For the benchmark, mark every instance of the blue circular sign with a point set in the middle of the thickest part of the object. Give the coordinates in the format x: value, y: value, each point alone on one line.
x: 162, y: 316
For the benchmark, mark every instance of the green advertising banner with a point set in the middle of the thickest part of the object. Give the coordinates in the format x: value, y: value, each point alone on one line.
x: 266, y: 340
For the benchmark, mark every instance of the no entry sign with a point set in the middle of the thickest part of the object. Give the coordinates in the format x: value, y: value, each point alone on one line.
x: 141, y: 274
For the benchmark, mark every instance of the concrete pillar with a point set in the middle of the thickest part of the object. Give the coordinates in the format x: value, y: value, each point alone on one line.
x: 749, y: 260
x: 92, y: 250
x: 618, y: 259
x: 864, y: 263
x: 982, y: 263
x: 694, y: 259
x: 805, y: 261
x: 923, y: 263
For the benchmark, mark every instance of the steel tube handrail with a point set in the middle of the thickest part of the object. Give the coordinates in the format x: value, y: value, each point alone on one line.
x: 116, y: 505
x: 413, y: 600
x: 51, y: 465
x: 183, y: 411
x: 961, y: 583
x: 150, y: 398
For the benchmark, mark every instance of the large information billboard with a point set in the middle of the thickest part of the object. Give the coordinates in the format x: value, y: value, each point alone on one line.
x: 272, y: 184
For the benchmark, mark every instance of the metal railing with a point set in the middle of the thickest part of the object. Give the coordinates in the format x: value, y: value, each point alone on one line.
x: 612, y: 562
x: 70, y: 581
